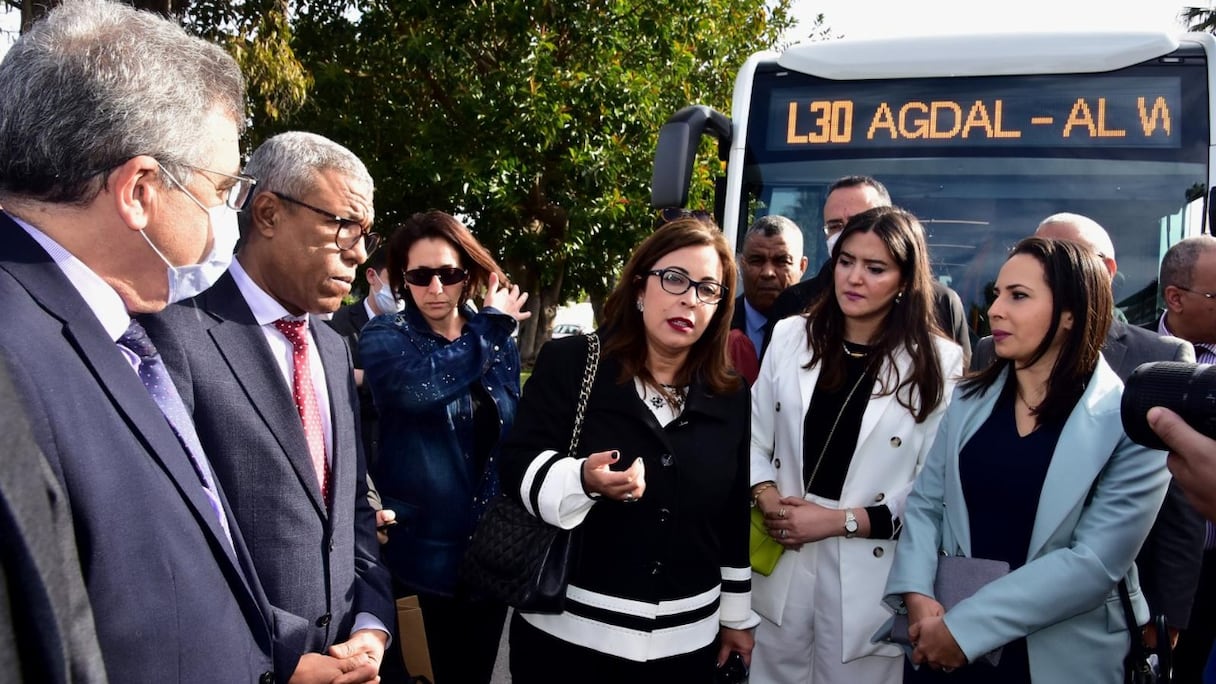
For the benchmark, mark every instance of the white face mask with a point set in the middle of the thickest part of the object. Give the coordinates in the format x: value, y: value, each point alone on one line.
x: 385, y: 301
x: 831, y: 239
x: 190, y: 280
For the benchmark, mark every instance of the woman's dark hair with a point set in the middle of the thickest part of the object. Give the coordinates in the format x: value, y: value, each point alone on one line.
x: 474, y: 258
x: 910, y: 323
x: 626, y: 337
x: 1080, y: 285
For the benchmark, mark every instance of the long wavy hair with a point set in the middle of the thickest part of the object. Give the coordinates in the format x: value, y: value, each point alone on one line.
x: 625, y: 332
x: 910, y: 323
x: 474, y: 257
x: 1080, y: 285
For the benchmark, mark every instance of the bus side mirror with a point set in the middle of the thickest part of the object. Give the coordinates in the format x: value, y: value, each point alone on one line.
x: 677, y: 149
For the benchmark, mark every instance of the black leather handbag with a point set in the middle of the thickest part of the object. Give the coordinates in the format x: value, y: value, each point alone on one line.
x: 517, y: 558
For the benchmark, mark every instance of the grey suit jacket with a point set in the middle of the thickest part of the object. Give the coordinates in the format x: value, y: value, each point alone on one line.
x: 1172, y: 556
x: 173, y: 601
x: 319, y: 564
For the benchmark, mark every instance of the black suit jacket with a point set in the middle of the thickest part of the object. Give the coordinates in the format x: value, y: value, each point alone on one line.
x: 348, y: 322
x: 1171, y: 558
x: 797, y: 297
x: 319, y: 564
x: 46, y: 624
x: 738, y: 320
x: 173, y: 601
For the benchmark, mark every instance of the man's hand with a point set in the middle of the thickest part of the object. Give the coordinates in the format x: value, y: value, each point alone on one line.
x: 385, y: 518
x: 368, y: 642
x: 314, y: 668
x: 1192, y: 459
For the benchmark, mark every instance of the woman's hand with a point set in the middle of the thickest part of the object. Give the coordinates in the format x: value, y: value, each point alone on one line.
x: 921, y: 606
x: 798, y: 521
x: 935, y: 645
x: 623, y: 485
x: 507, y: 300
x: 741, y: 640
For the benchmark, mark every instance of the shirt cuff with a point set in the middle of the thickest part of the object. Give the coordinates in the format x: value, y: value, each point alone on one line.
x: 561, y: 500
x: 369, y: 621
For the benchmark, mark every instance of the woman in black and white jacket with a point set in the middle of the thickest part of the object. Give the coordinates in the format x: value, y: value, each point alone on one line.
x: 659, y: 487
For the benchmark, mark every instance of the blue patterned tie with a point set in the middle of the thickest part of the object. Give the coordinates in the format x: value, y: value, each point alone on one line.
x: 158, y: 383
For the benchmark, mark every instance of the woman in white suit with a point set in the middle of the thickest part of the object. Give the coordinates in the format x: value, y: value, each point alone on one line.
x: 846, y: 405
x: 1031, y: 466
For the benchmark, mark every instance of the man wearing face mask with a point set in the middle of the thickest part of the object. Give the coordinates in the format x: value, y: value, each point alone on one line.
x: 846, y: 197
x: 273, y: 395
x: 348, y: 321
x: 119, y: 177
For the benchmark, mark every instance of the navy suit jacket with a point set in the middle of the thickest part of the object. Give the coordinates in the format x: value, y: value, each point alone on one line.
x: 319, y: 564
x: 1172, y: 556
x: 173, y: 601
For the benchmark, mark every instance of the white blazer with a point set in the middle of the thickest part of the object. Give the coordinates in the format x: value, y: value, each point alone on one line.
x: 891, y: 449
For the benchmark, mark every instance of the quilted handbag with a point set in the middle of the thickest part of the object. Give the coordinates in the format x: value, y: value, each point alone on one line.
x: 517, y: 558
x: 764, y: 550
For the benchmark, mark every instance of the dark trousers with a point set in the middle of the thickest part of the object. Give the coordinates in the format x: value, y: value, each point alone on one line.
x: 462, y: 636
x: 540, y: 658
x: 1196, y: 640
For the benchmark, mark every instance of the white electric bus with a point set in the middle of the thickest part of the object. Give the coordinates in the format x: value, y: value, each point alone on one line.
x: 979, y: 136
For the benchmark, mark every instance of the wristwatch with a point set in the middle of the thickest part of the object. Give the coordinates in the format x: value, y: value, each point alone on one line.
x: 850, y: 524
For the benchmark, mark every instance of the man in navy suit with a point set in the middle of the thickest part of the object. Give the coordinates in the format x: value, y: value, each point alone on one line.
x: 1170, y: 560
x: 272, y: 392
x: 115, y: 128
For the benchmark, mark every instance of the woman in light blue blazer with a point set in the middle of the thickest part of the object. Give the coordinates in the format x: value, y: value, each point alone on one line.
x: 1031, y: 466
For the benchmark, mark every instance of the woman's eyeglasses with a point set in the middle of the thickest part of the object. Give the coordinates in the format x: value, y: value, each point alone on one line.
x: 448, y: 275
x: 677, y: 283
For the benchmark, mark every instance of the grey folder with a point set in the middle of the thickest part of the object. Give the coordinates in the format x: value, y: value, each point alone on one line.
x: 958, y: 577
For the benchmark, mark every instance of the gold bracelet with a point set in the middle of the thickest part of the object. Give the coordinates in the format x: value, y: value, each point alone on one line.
x: 760, y: 490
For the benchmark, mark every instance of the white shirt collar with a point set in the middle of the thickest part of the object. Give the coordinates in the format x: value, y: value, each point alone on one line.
x: 266, y: 310
x: 367, y: 306
x: 102, y: 299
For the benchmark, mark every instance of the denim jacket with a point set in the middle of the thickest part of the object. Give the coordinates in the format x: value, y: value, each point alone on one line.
x: 426, y: 471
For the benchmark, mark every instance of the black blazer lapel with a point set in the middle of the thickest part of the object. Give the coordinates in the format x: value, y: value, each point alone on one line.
x: 240, y: 342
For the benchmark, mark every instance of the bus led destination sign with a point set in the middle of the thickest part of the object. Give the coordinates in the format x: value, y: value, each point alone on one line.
x: 1090, y: 111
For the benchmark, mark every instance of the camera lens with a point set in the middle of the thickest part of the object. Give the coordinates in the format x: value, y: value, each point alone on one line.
x: 1188, y: 389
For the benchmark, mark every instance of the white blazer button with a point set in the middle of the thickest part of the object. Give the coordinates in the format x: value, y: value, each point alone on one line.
x: 778, y: 406
x: 878, y: 552
x: 895, y: 441
x: 880, y: 497
x: 776, y: 463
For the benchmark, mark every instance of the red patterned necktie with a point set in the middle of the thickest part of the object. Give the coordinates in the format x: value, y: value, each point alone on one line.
x: 306, y: 399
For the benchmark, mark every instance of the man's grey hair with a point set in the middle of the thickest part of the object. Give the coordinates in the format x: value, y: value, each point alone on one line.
x: 95, y: 83
x: 774, y: 225
x: 1178, y: 264
x: 288, y: 163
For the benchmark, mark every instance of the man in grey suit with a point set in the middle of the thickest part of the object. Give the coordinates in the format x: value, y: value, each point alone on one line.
x: 273, y: 395
x: 1171, y: 557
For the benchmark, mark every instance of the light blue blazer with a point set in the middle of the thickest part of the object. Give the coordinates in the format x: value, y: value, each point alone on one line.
x: 1097, y: 505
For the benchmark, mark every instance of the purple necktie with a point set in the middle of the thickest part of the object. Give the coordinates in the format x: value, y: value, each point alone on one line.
x: 158, y: 383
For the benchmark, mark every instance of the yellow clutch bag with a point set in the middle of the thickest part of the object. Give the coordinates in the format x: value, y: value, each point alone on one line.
x: 764, y: 550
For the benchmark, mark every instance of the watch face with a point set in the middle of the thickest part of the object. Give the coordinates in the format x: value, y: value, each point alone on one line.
x: 850, y: 525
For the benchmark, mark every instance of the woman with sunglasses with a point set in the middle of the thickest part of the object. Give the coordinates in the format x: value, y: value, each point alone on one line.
x: 445, y: 379
x: 844, y: 411
x: 658, y: 487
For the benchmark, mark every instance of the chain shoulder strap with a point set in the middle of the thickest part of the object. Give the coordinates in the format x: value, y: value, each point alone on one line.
x: 593, y: 364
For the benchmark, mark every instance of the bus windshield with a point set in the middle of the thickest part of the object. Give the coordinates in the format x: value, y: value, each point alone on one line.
x: 982, y: 160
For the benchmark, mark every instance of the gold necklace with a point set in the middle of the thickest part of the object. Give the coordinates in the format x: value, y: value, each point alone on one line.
x: 851, y: 353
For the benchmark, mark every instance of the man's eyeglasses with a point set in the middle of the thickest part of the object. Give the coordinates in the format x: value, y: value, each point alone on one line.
x: 834, y: 226
x: 1208, y: 295
x: 677, y: 283
x: 236, y: 189
x: 670, y: 214
x: 448, y: 275
x: 349, y: 230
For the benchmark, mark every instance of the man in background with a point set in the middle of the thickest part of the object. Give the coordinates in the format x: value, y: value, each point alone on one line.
x: 772, y: 260
x: 273, y: 395
x: 847, y: 197
x: 1188, y: 286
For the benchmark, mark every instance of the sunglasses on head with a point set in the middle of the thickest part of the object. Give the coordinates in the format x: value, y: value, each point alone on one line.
x: 670, y: 214
x: 448, y: 275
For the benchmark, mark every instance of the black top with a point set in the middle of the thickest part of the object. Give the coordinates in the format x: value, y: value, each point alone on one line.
x: 830, y: 417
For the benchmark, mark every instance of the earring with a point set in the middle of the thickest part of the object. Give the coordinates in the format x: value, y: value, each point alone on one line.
x: 899, y: 297
x: 641, y: 307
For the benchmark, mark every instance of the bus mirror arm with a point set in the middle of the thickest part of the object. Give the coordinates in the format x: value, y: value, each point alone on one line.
x: 677, y: 149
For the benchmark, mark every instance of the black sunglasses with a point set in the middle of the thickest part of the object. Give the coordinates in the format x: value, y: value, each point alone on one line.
x: 448, y: 275
x: 669, y: 214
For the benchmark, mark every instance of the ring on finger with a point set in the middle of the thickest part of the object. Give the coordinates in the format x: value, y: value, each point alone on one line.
x: 781, y: 513
x: 784, y: 534
x: 629, y: 496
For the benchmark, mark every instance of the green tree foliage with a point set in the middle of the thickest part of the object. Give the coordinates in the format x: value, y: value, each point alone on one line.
x: 535, y: 121
x: 1198, y: 19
